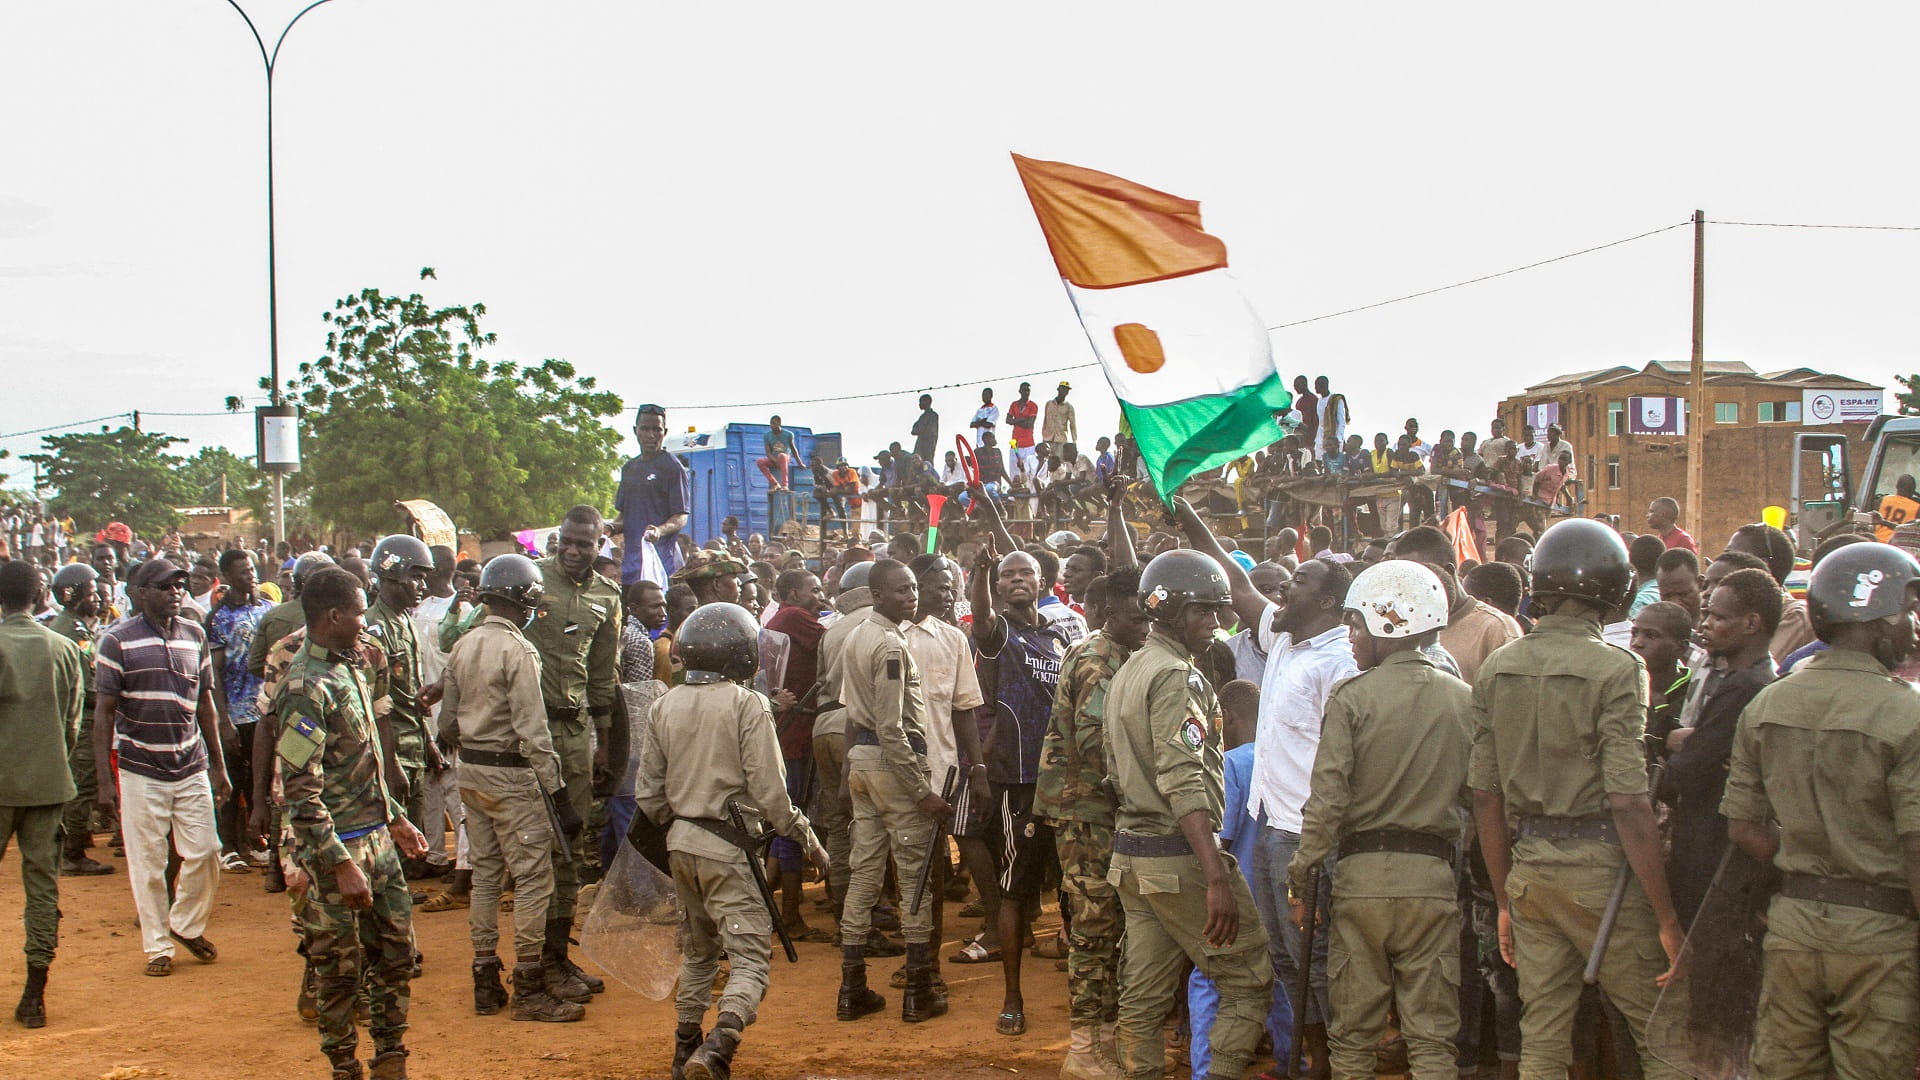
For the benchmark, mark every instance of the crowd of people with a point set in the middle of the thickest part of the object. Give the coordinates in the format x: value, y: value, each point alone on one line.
x: 1359, y: 803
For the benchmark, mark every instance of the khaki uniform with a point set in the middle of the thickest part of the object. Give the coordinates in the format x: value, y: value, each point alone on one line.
x: 42, y: 688
x: 886, y: 771
x: 834, y: 818
x: 1558, y: 717
x: 400, y: 706
x: 1072, y: 793
x: 577, y: 632
x: 1393, y: 756
x: 76, y: 820
x: 1163, y: 750
x: 492, y: 707
x: 338, y: 808
x: 711, y: 742
x: 1832, y: 752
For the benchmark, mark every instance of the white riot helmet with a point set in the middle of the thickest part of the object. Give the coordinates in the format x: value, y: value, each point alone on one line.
x: 1398, y: 599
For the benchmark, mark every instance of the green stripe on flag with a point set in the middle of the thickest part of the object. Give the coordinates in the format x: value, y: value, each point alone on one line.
x: 1203, y: 433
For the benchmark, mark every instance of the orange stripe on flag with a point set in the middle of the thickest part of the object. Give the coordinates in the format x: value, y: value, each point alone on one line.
x: 1105, y: 231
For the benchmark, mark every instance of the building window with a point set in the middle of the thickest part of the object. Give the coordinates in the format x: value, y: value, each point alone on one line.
x: 1616, y: 417
x: 1613, y: 471
x: 1726, y: 412
x: 1793, y: 412
x: 1767, y: 412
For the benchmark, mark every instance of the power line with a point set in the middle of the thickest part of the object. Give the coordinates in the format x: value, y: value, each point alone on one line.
x: 63, y: 427
x: 1797, y: 225
x: 1282, y: 326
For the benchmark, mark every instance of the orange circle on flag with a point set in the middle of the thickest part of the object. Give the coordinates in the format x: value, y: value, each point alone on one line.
x: 1141, y: 347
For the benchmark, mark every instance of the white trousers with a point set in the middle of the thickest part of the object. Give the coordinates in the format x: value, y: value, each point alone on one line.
x: 442, y: 805
x: 150, y: 811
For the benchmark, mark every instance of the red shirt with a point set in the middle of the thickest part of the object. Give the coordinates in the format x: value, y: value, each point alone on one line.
x: 1021, y: 415
x: 1677, y: 538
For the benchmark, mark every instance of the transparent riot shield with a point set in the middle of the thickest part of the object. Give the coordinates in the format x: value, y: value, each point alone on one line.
x: 635, y: 929
x: 1703, y: 1022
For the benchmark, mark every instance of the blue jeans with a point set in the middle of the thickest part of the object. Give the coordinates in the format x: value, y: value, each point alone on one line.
x: 620, y: 812
x: 1271, y: 853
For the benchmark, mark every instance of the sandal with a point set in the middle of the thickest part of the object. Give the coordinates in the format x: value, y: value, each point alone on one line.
x: 200, y: 947
x: 234, y: 863
x: 446, y: 901
x: 973, y: 952
x: 1011, y: 1023
x: 160, y: 966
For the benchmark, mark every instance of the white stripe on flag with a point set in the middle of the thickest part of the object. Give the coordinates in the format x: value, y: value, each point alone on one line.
x: 1213, y: 342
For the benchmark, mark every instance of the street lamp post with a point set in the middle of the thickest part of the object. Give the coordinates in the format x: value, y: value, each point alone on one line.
x: 276, y: 418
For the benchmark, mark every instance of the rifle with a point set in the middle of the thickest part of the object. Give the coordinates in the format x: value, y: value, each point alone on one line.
x: 933, y: 844
x: 1611, y: 913
x: 1296, y: 1054
x: 759, y: 842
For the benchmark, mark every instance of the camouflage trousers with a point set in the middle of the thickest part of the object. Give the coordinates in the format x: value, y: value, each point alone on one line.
x: 344, y: 944
x: 1096, y: 921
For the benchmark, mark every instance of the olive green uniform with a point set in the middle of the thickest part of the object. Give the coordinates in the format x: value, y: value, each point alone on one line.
x: 1163, y: 749
x: 280, y: 620
x: 407, y: 719
x: 1072, y: 793
x: 42, y: 685
x: 1390, y: 776
x: 339, y: 808
x: 711, y: 742
x: 492, y: 709
x: 886, y: 772
x: 577, y: 632
x: 1558, y: 717
x: 1832, y: 753
x: 76, y: 820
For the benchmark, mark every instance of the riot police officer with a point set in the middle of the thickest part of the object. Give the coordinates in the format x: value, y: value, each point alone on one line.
x: 713, y: 752
x: 1832, y: 754
x: 1180, y: 892
x: 1558, y: 718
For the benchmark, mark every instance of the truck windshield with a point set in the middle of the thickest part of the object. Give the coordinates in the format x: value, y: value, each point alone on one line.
x: 1900, y: 458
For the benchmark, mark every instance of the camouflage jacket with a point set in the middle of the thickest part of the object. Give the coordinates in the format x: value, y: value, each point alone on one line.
x: 280, y: 657
x: 399, y: 657
x: 330, y: 756
x: 1073, y: 760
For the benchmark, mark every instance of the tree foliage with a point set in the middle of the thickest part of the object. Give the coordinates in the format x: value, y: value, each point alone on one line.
x: 124, y: 475
x: 1909, y: 399
x: 245, y: 485
x: 403, y: 406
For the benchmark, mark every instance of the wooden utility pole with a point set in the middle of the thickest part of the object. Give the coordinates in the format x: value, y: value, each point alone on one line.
x: 1697, y: 417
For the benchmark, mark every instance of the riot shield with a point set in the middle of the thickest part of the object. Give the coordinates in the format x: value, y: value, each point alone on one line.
x: 1703, y: 1022
x: 635, y: 930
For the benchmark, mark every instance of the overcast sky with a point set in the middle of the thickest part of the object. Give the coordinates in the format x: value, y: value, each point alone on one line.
x: 711, y: 204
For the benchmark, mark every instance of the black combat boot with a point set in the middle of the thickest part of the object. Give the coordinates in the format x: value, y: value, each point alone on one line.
x: 714, y: 1059
x: 32, y: 1010
x: 686, y: 1039
x: 920, y: 1002
x: 856, y: 1000
x: 489, y: 997
x: 557, y: 931
x: 346, y: 1067
x: 391, y: 1065
x: 531, y: 1001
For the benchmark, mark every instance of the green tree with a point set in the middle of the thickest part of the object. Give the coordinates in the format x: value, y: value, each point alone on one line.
x: 1909, y: 399
x: 403, y: 406
x: 219, y: 477
x: 122, y: 475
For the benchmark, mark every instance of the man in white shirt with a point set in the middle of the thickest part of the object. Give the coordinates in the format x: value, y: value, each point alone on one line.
x: 1308, y: 654
x: 986, y: 417
x: 443, y: 788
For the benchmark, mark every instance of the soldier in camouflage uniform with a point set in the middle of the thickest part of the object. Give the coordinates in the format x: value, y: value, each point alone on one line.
x: 346, y: 826
x: 76, y: 588
x: 1072, y: 793
x: 400, y: 566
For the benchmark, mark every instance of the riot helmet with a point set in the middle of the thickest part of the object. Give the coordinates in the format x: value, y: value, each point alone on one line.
x: 722, y: 639
x: 513, y: 578
x: 1180, y: 577
x: 1584, y: 559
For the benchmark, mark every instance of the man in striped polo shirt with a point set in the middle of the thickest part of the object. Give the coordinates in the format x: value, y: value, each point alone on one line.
x: 154, y: 710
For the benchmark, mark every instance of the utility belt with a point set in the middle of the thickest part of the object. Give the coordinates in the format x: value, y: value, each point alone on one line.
x: 1399, y: 840
x: 564, y: 712
x: 725, y: 831
x: 859, y: 736
x: 1546, y: 827
x: 1151, y: 847
x: 490, y: 757
x: 1848, y: 892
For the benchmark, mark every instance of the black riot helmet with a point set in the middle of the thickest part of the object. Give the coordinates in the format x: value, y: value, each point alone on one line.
x: 1858, y: 583
x: 1180, y: 577
x: 72, y: 581
x: 1584, y: 559
x: 397, y: 555
x: 721, y: 639
x: 305, y: 566
x: 855, y: 576
x: 513, y: 578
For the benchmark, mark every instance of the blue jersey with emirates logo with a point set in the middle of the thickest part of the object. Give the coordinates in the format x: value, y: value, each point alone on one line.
x: 1020, y: 680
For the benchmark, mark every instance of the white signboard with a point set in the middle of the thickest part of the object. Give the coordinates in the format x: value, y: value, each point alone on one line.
x: 1840, y: 406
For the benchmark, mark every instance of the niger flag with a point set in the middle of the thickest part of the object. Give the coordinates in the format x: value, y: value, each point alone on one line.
x: 1186, y: 354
